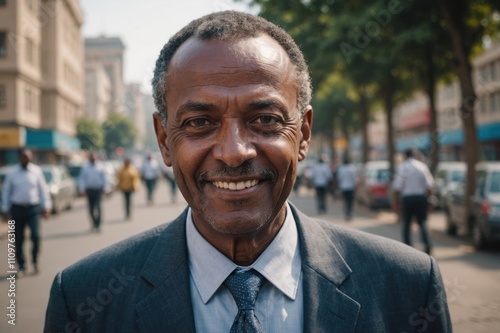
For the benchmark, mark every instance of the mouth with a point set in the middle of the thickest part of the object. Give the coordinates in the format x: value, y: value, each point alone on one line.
x: 235, y: 186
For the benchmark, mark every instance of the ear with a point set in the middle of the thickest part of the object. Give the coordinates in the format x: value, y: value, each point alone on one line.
x: 306, y: 130
x: 161, y: 137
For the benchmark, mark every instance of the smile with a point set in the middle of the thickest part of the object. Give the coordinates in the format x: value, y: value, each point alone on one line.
x: 238, y: 186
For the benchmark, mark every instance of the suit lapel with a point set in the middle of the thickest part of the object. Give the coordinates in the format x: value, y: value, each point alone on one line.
x: 168, y: 307
x: 326, y: 307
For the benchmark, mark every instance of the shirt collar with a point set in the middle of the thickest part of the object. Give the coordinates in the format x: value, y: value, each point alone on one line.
x: 280, y: 263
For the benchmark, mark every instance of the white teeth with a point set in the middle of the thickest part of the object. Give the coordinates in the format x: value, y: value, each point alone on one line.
x: 236, y: 186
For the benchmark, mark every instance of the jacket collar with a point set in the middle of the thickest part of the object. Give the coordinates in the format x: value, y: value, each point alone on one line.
x: 326, y: 307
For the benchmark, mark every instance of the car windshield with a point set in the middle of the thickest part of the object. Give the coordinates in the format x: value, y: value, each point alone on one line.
x: 457, y: 176
x: 495, y: 183
x: 383, y: 175
x: 48, y: 175
x: 74, y: 170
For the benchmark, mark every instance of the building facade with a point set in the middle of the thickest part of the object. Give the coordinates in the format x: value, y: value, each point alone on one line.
x: 108, y: 51
x: 97, y: 92
x: 134, y: 110
x: 412, y: 117
x: 41, y: 78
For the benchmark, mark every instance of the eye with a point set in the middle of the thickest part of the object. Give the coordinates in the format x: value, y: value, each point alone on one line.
x: 267, y: 120
x: 198, y: 122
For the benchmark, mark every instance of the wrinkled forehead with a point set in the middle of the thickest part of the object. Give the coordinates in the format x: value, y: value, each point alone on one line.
x: 254, y: 58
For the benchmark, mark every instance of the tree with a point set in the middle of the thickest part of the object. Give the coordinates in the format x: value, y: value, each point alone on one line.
x: 90, y: 134
x: 119, y: 131
x: 467, y: 22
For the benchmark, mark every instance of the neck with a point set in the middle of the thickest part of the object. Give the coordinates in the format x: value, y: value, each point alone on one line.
x: 243, y: 250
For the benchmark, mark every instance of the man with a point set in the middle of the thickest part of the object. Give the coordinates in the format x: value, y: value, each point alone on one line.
x: 128, y: 182
x: 412, y: 188
x: 92, y: 184
x: 25, y: 198
x: 150, y: 172
x: 347, y: 180
x: 321, y: 177
x: 232, y: 92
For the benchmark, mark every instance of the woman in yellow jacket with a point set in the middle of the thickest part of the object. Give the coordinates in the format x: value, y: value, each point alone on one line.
x: 128, y: 181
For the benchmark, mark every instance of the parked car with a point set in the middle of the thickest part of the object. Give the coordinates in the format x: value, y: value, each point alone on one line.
x: 373, y: 185
x: 74, y: 170
x: 483, y: 221
x: 447, y: 175
x: 62, y: 187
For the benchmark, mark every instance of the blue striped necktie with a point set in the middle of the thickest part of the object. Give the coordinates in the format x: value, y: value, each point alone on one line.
x: 245, y: 286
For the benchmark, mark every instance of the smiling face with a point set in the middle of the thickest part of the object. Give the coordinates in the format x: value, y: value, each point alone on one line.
x: 234, y: 134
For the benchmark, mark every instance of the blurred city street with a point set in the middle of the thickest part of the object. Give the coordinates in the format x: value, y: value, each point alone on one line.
x: 471, y: 277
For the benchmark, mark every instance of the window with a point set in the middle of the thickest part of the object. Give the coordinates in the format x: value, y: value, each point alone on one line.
x: 492, y: 103
x: 3, y: 98
x: 30, y: 51
x: 482, y: 104
x: 3, y: 43
x: 493, y: 72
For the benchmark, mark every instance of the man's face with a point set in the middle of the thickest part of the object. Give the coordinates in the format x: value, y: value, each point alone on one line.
x: 25, y: 158
x: 234, y: 134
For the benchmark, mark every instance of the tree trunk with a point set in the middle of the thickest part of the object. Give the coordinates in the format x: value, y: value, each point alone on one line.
x: 463, y: 69
x: 433, y: 126
x: 388, y: 99
x: 363, y: 117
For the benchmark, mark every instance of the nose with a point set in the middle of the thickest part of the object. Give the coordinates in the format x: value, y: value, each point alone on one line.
x: 234, y: 146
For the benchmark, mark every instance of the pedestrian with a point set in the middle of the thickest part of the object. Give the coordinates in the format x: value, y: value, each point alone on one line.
x: 128, y: 181
x: 232, y: 92
x: 321, y: 177
x: 92, y: 184
x: 150, y: 171
x: 412, y: 188
x: 25, y: 198
x: 170, y: 178
x: 347, y: 179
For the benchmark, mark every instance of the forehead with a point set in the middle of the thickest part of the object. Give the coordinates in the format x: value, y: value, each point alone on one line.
x: 230, y: 62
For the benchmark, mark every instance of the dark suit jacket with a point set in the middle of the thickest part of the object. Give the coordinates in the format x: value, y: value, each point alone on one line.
x: 353, y: 282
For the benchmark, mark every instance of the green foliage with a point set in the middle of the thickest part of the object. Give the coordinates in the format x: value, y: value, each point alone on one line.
x: 90, y: 134
x: 119, y: 131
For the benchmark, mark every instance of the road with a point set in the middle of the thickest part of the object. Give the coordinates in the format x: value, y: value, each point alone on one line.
x: 472, y: 278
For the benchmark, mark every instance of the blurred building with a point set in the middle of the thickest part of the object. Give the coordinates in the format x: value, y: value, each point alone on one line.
x: 134, y: 109
x: 108, y: 51
x: 149, y: 108
x: 412, y: 117
x: 97, y: 92
x: 41, y: 78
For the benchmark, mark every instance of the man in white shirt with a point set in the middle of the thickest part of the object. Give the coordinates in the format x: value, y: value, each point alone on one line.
x: 347, y: 180
x: 321, y: 177
x: 25, y: 198
x: 92, y: 184
x: 412, y: 187
x: 150, y: 171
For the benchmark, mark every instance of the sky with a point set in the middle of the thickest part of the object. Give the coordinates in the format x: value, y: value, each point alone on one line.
x: 145, y: 26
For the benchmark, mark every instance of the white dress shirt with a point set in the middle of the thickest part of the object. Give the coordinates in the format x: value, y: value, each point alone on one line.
x: 321, y: 174
x: 413, y: 178
x: 279, y: 305
x: 150, y: 169
x: 92, y: 177
x: 347, y: 176
x: 25, y: 187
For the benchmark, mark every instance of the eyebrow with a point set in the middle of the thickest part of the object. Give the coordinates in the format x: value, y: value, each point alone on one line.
x: 273, y: 103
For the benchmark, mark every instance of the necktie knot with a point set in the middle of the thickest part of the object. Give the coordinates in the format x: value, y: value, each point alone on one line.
x: 245, y: 287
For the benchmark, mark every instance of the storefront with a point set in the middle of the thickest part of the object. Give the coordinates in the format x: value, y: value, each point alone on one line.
x: 51, y: 147
x: 12, y: 138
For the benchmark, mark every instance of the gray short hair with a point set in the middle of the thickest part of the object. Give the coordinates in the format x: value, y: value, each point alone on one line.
x: 230, y: 25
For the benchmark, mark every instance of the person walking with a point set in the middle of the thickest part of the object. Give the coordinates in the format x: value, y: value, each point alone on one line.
x: 170, y: 178
x: 321, y: 176
x: 412, y: 187
x: 347, y: 181
x: 150, y: 171
x: 128, y: 182
x: 25, y: 198
x: 92, y: 184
